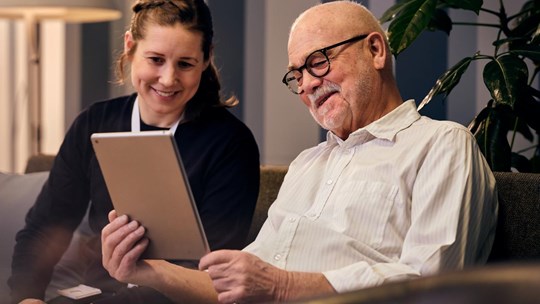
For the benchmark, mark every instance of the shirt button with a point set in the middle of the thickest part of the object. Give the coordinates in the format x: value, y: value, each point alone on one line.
x: 292, y: 220
x: 329, y: 182
x: 277, y: 257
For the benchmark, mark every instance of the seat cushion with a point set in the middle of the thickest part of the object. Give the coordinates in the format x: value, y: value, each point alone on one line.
x: 18, y: 193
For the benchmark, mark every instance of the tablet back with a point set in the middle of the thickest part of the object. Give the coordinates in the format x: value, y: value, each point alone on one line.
x: 147, y: 181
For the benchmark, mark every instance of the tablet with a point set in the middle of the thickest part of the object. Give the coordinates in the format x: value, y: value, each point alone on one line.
x: 146, y: 180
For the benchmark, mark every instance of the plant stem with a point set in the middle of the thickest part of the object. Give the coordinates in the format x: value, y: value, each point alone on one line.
x: 526, y: 149
x: 514, y: 133
x: 519, y: 14
x: 477, y: 24
x: 489, y: 11
x: 536, y: 70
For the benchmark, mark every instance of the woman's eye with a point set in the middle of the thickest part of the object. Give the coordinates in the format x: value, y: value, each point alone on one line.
x: 156, y: 60
x: 185, y: 65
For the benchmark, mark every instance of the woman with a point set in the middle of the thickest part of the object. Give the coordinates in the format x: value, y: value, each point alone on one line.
x: 168, y: 49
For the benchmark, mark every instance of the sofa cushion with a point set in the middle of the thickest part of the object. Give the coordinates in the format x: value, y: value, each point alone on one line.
x: 518, y: 228
x: 17, y: 194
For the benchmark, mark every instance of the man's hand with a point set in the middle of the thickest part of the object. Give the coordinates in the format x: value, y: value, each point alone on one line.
x: 242, y: 277
x: 123, y: 243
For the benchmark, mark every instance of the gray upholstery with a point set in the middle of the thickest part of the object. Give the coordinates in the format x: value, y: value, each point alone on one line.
x: 518, y: 228
x: 38, y: 163
x: 271, y: 179
x: 17, y: 194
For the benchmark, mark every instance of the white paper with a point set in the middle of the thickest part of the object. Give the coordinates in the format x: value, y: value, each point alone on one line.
x: 79, y: 292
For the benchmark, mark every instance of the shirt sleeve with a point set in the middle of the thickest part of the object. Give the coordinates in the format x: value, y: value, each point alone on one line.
x: 453, y: 217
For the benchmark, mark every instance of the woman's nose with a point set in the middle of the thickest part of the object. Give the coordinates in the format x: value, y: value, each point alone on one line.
x: 168, y: 76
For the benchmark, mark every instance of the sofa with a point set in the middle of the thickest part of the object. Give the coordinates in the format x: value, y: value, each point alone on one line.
x: 517, y: 237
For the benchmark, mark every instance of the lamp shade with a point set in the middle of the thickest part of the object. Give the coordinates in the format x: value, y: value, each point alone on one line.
x: 66, y: 10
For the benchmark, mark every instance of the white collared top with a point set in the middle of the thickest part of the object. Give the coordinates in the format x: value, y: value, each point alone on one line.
x: 404, y: 196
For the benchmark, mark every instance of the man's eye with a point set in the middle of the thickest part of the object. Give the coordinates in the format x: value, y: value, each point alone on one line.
x: 317, y: 63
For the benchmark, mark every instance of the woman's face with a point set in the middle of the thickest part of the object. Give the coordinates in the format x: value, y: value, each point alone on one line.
x: 166, y: 70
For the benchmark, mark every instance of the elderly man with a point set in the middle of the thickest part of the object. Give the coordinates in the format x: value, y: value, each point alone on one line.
x: 389, y: 195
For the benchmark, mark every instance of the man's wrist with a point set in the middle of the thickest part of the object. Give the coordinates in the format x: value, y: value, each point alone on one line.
x: 282, y: 286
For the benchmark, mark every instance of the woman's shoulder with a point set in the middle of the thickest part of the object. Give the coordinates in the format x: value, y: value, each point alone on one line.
x: 104, y: 114
x: 222, y: 118
x: 113, y: 105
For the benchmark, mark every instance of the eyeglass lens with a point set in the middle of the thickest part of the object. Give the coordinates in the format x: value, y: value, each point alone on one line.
x: 317, y: 64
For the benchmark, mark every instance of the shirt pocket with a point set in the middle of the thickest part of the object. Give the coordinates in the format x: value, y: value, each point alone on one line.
x: 361, y: 210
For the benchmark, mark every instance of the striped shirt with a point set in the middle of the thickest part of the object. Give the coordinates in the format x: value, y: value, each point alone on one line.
x: 405, y: 196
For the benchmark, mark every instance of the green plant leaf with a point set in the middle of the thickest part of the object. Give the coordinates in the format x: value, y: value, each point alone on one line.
x: 479, y: 118
x: 505, y: 76
x: 536, y: 36
x: 413, y: 18
x: 535, y: 160
x: 521, y: 163
x: 447, y: 81
x: 523, y: 128
x: 393, y: 11
x: 440, y: 21
x: 528, y: 19
x: 531, y: 52
x: 470, y: 5
x: 491, y: 137
x: 528, y: 109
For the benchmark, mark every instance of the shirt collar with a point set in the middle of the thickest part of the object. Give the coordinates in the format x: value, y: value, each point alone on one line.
x: 385, y: 127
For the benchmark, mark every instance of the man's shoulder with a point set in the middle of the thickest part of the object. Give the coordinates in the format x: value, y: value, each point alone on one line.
x: 441, y: 126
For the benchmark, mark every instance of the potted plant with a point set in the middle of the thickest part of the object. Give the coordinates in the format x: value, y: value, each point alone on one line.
x: 515, y: 104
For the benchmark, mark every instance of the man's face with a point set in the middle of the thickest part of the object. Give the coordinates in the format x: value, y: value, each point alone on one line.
x: 337, y: 100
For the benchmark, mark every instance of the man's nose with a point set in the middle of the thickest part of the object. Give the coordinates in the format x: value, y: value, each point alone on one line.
x: 309, y: 82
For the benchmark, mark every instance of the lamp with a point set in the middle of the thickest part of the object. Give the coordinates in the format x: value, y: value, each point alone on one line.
x: 34, y: 11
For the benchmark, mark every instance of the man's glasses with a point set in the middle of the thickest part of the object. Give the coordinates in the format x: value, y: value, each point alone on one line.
x: 317, y: 64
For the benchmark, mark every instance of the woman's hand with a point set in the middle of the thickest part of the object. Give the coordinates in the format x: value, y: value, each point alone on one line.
x: 123, y: 242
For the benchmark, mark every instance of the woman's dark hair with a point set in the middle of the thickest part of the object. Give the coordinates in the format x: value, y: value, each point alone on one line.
x: 194, y: 15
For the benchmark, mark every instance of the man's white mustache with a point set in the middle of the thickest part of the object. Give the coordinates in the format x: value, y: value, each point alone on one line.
x: 324, y: 90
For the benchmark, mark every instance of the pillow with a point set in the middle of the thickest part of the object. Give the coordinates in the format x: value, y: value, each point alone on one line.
x: 18, y: 193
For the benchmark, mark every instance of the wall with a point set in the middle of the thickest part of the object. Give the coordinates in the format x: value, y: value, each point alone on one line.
x: 251, y: 39
x: 282, y: 125
x: 57, y: 79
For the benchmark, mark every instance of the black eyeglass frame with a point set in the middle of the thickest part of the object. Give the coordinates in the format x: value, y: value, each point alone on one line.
x: 322, y: 51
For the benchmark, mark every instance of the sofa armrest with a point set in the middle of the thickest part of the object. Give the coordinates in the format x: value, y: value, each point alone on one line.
x: 270, y: 182
x: 39, y: 163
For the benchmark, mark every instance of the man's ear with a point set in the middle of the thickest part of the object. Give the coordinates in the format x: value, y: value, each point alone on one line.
x: 378, y: 49
x: 129, y: 42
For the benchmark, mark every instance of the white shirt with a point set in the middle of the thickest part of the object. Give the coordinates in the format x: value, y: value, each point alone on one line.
x: 405, y: 196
